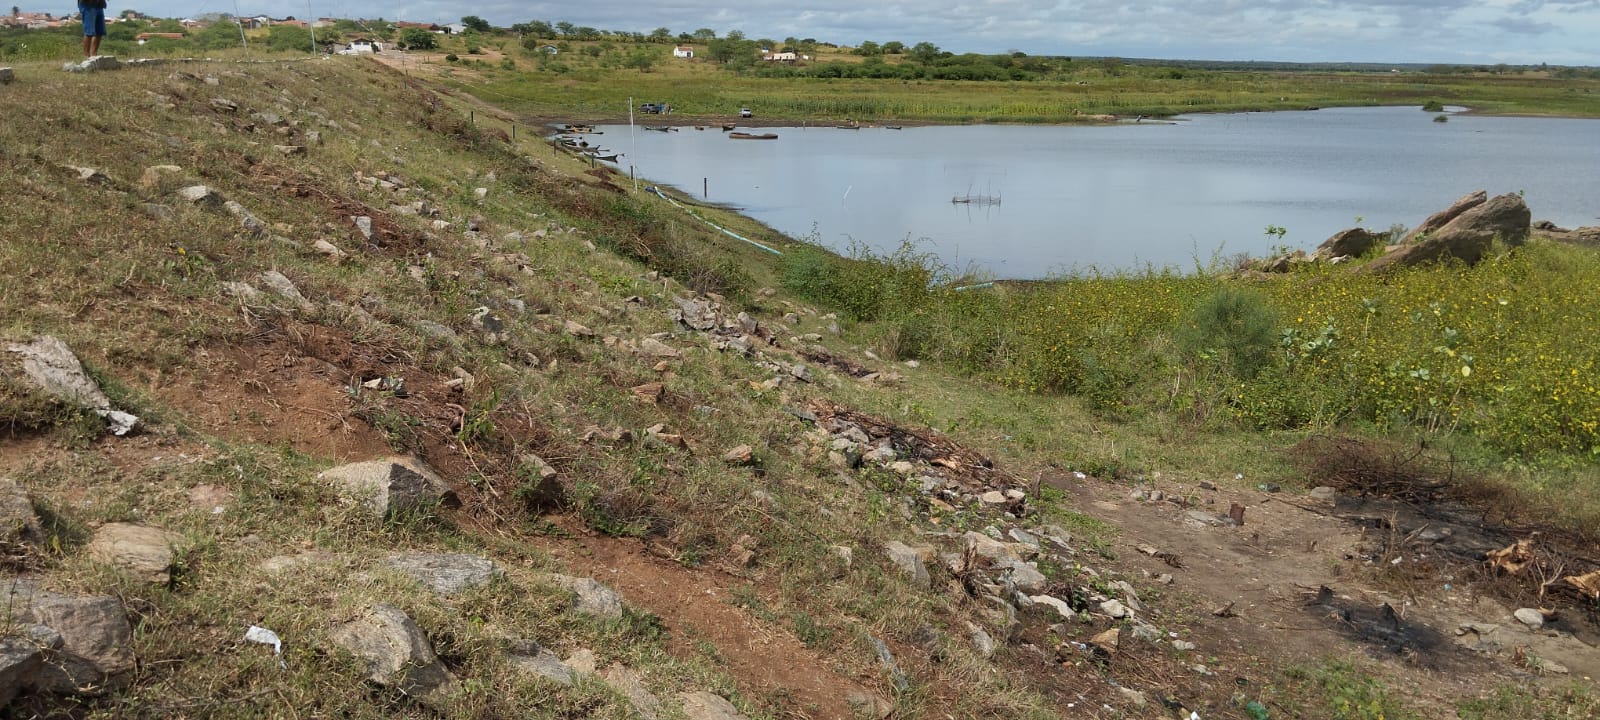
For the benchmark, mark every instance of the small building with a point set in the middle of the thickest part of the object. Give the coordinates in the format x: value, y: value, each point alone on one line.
x: 787, y: 57
x: 549, y: 49
x: 360, y: 46
x: 683, y: 51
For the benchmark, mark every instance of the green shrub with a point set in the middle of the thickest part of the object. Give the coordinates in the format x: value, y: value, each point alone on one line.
x: 1235, y: 327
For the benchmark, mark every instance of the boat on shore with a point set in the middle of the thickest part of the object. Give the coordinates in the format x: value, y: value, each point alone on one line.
x: 659, y: 128
x: 752, y: 136
x: 728, y: 126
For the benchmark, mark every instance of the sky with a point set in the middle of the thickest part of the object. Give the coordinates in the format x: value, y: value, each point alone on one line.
x: 1559, y: 32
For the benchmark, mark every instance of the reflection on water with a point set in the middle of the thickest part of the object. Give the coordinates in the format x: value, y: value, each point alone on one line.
x: 1130, y: 195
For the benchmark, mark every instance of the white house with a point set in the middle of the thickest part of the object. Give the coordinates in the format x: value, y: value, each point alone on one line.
x: 683, y: 51
x: 359, y: 46
x: 780, y: 57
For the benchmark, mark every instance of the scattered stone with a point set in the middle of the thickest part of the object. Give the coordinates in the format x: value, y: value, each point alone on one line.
x: 199, y: 195
x: 986, y: 547
x: 545, y: 470
x: 290, y: 150
x: 7, y: 76
x: 363, y: 226
x: 86, y: 639
x: 156, y: 211
x: 98, y: 62
x: 18, y: 523
x: 628, y: 684
x: 980, y: 640
x: 1146, y: 632
x: 280, y: 563
x: 702, y: 705
x: 1183, y: 645
x: 52, y: 367
x: 592, y: 597
x: 843, y: 552
x: 1530, y: 617
x: 543, y: 663
x: 740, y: 455
x: 156, y: 177
x: 89, y: 175
x: 391, y: 485
x: 145, y: 552
x: 1023, y: 576
x: 1108, y: 640
x: 1134, y: 697
x: 1354, y: 242
x: 651, y: 392
x: 651, y: 347
x: 397, y: 653
x: 284, y: 288
x: 330, y: 251
x: 480, y: 193
x: 445, y: 574
x: 886, y: 659
x: 909, y: 561
x: 247, y: 219
x: 1204, y: 518
x: 577, y: 329
x: 1060, y: 606
x: 1324, y: 493
x: 436, y: 331
x: 868, y: 704
x: 1114, y: 609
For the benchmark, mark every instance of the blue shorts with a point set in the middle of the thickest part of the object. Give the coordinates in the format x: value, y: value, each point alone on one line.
x: 94, y: 21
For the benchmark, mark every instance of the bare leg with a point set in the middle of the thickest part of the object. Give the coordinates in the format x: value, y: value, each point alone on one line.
x: 94, y: 45
x: 88, y: 40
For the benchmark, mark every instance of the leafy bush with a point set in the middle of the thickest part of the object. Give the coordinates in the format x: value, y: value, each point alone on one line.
x: 1235, y: 327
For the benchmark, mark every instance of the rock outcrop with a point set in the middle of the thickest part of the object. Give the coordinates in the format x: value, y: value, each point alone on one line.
x: 52, y: 367
x: 144, y: 552
x: 1466, y: 236
x: 396, y: 652
x: 1354, y: 242
x: 85, y: 641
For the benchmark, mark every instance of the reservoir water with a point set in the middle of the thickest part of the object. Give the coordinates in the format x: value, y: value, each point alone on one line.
x: 1130, y: 195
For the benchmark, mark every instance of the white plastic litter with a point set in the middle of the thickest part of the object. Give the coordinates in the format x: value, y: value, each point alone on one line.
x: 267, y: 637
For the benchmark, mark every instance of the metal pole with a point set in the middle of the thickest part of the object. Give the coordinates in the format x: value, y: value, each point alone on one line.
x: 311, y: 24
x: 705, y: 187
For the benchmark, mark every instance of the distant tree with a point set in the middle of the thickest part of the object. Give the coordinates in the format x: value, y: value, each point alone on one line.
x: 868, y: 48
x: 768, y: 43
x: 417, y: 39
x: 566, y: 28
x: 732, y: 52
x: 536, y: 28
x: 1111, y: 65
x: 924, y: 52
x: 735, y: 35
x: 289, y: 38
x: 660, y: 35
x: 894, y: 47
x: 642, y: 59
x: 477, y: 24
x: 585, y: 33
x: 704, y: 35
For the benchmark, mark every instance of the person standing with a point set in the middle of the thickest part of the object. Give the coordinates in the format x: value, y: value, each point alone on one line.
x: 93, y: 13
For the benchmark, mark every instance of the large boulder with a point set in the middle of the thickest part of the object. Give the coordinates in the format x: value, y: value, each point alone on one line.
x: 909, y: 560
x: 1443, y: 217
x: 391, y: 485
x: 86, y: 639
x: 21, y: 659
x: 396, y: 653
x: 1467, y: 237
x: 50, y: 364
x: 144, y: 552
x: 1354, y: 242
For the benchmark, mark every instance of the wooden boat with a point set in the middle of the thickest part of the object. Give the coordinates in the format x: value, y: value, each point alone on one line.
x: 752, y: 136
x: 848, y: 127
x: 657, y: 128
x: 728, y: 126
x: 608, y: 158
x: 892, y: 127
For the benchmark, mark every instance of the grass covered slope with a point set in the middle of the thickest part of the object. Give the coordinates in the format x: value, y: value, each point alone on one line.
x: 566, y: 352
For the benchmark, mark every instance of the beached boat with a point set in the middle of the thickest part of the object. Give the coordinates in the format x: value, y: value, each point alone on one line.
x: 659, y: 128
x: 728, y: 126
x: 752, y: 136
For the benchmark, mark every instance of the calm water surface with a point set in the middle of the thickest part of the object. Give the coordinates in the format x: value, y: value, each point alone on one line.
x: 1126, y: 196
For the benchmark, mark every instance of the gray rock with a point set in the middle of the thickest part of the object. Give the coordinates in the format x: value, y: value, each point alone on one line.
x: 247, y: 220
x: 986, y: 547
x: 329, y: 250
x: 157, y: 211
x: 1323, y: 492
x: 7, y: 76
x: 909, y: 561
x: 1443, y: 217
x: 18, y: 522
x: 1114, y: 609
x: 1183, y: 645
x: 1354, y: 242
x: 540, y: 661
x: 1023, y: 576
x: 981, y: 640
x: 50, y: 364
x: 1054, y: 603
x: 223, y: 104
x: 391, y: 485
x: 98, y: 62
x: 396, y: 652
x: 199, y: 195
x: 1530, y: 617
x: 868, y: 704
x: 243, y: 292
x: 145, y: 552
x: 21, y: 659
x: 701, y: 705
x: 1466, y: 237
x: 283, y: 287
x: 1134, y: 697
x: 651, y: 347
x: 436, y: 331
x: 290, y: 150
x: 628, y: 684
x: 593, y: 597
x: 445, y: 574
x: 1204, y: 518
x: 886, y: 659
x: 1146, y: 632
x: 1129, y: 596
x: 87, y: 639
x: 363, y: 225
